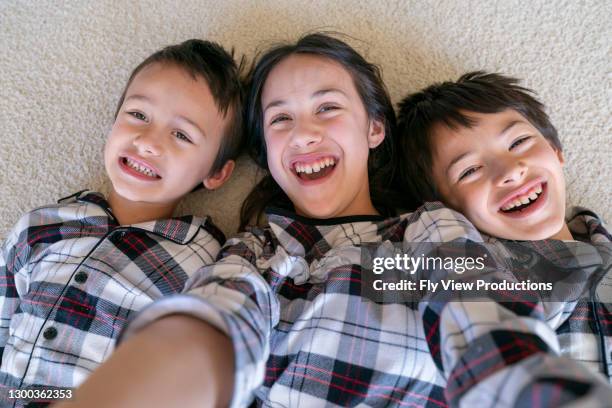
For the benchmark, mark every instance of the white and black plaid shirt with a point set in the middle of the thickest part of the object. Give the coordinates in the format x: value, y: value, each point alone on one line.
x: 504, y: 353
x: 289, y: 297
x: 70, y: 279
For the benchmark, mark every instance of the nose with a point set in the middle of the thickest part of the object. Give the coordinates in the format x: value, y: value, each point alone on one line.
x: 148, y: 142
x: 511, y: 171
x: 305, y: 133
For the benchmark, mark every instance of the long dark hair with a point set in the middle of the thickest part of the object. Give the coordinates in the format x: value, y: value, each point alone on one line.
x: 382, y: 161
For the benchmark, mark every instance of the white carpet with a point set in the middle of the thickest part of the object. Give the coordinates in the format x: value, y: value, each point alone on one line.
x: 64, y: 66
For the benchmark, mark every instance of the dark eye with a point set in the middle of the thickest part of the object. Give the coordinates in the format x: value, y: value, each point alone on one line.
x: 181, y: 136
x: 138, y: 115
x: 519, y: 141
x: 469, y: 172
x: 279, y: 118
x: 327, y: 108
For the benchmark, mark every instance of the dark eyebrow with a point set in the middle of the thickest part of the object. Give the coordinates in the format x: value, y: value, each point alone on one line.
x: 510, y: 126
x: 454, y: 161
x: 139, y: 97
x: 183, y: 118
x: 326, y: 91
x: 192, y: 123
x: 318, y: 93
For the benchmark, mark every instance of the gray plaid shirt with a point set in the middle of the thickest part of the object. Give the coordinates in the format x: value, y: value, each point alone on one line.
x: 71, y: 278
x: 288, y: 296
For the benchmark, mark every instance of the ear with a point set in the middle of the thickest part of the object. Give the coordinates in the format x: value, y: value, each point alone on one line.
x: 216, y: 180
x: 376, y: 133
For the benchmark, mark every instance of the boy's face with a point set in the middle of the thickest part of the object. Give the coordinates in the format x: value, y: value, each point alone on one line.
x: 165, y: 137
x: 502, y: 174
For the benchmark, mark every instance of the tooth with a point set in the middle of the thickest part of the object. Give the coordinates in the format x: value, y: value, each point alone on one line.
x: 332, y: 161
x: 517, y: 203
x: 308, y: 169
x: 539, y: 189
x: 327, y: 161
x: 533, y: 196
x: 316, y: 168
x: 141, y: 169
x: 524, y: 200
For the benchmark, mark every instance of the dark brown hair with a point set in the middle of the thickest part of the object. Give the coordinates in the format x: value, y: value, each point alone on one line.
x: 382, y: 161
x: 449, y: 103
x: 211, y: 62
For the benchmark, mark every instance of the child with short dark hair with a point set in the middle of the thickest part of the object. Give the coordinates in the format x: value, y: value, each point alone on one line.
x: 484, y: 146
x: 73, y: 274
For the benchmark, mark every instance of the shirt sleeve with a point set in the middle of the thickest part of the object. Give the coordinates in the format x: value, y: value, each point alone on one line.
x: 13, y: 255
x: 232, y: 296
x: 494, y: 352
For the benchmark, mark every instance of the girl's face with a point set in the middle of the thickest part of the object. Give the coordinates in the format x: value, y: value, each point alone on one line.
x: 318, y: 137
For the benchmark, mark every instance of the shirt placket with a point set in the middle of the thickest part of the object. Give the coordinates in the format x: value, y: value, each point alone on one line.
x: 70, y: 318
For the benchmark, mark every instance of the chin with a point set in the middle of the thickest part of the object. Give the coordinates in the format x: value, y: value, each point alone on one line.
x: 319, y: 212
x: 535, y: 234
x: 128, y: 194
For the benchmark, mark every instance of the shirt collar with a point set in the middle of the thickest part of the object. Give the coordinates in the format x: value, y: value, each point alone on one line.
x: 312, y: 238
x: 177, y: 229
x: 585, y: 225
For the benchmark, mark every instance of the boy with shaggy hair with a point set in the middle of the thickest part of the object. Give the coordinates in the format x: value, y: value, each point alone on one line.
x: 484, y: 146
x: 72, y: 274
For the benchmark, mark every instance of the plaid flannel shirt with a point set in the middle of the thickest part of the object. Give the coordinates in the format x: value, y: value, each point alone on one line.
x: 289, y: 298
x: 503, y: 353
x: 71, y: 277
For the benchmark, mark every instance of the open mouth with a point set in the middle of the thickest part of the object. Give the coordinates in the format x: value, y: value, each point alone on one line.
x: 525, y: 203
x: 138, y: 169
x: 315, y: 170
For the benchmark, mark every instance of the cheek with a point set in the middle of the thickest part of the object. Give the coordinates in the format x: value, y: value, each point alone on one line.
x: 472, y: 199
x: 114, y: 138
x: 109, y: 146
x: 197, y: 163
x: 275, y: 171
x: 274, y: 155
x: 357, y: 152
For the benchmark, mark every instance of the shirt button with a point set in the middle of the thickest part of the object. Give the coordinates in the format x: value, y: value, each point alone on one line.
x: 80, y: 277
x: 50, y: 333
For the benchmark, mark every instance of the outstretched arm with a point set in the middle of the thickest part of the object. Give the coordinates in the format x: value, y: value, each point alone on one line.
x: 206, y: 347
x: 175, y: 361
